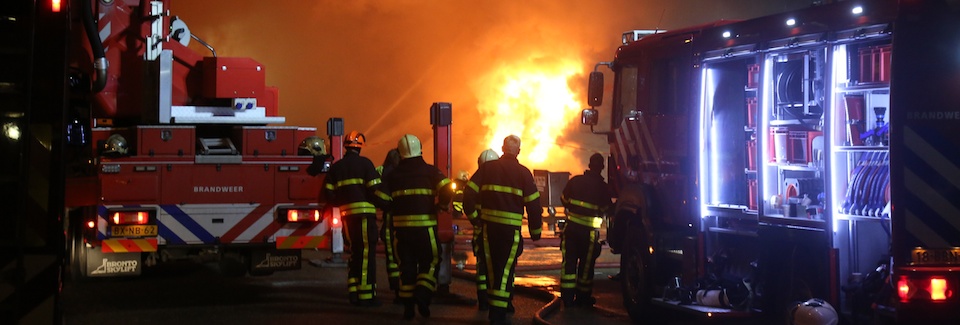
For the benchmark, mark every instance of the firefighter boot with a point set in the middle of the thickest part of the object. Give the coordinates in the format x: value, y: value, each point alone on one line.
x: 483, y: 303
x: 408, y: 312
x: 423, y: 301
x: 497, y: 316
x: 568, y: 297
x: 585, y: 300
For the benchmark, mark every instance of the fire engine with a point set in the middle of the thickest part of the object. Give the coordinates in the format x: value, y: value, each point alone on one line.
x: 800, y: 166
x: 171, y: 153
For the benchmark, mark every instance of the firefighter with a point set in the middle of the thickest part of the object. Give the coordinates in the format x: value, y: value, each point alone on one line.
x: 504, y: 189
x: 630, y: 208
x: 350, y: 184
x: 413, y: 193
x: 477, y: 243
x: 585, y: 198
x: 386, y: 230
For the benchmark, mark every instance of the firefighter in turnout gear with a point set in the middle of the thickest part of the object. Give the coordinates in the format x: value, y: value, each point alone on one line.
x: 350, y: 184
x: 504, y: 188
x: 413, y: 193
x: 585, y: 198
x: 483, y: 302
x: 386, y: 229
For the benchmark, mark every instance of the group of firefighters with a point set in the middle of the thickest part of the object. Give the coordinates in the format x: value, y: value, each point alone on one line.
x: 410, y: 193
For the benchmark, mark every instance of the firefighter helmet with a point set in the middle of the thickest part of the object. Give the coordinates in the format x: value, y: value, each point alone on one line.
x: 813, y: 312
x: 463, y: 175
x: 313, y: 145
x: 354, y: 139
x: 487, y: 155
x: 409, y: 146
x: 116, y: 145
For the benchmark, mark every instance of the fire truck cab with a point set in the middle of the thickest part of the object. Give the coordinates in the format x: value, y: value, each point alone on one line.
x: 803, y: 155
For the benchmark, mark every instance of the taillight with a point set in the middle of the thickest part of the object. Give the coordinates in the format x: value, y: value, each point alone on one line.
x: 302, y: 215
x: 91, y: 224
x: 130, y: 217
x: 938, y: 289
x: 55, y: 5
x: 932, y: 288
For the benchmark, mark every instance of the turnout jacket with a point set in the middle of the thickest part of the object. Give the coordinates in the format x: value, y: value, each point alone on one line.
x: 585, y: 198
x: 410, y: 193
x: 504, y: 188
x: 350, y: 184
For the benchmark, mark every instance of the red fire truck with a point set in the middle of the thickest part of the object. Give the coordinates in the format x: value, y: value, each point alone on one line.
x: 804, y: 155
x: 171, y: 153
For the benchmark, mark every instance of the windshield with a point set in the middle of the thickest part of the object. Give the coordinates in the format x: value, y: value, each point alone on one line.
x: 626, y: 94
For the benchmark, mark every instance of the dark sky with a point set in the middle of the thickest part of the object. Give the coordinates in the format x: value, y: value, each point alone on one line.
x: 380, y: 64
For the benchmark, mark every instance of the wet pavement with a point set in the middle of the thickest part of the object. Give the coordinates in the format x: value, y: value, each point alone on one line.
x: 538, y: 268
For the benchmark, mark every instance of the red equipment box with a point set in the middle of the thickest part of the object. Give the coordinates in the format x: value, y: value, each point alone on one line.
x: 752, y: 192
x: 753, y: 75
x: 268, y: 140
x: 166, y: 140
x: 875, y: 63
x: 791, y: 146
x: 751, y: 112
x: 233, y: 78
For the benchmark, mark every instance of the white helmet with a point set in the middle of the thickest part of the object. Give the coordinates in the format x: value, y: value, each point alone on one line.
x: 813, y: 312
x: 487, y: 155
x: 409, y: 146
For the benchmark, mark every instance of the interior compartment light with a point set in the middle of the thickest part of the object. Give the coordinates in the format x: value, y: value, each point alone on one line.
x: 857, y: 10
x: 726, y: 34
x: 791, y: 22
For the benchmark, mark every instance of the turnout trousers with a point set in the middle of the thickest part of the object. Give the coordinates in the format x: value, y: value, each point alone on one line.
x: 502, y: 245
x: 388, y: 236
x: 580, y: 246
x: 362, y: 274
x: 418, y: 252
x: 479, y: 253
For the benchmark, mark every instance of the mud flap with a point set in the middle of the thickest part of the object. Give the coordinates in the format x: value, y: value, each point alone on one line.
x: 100, y: 264
x: 269, y: 260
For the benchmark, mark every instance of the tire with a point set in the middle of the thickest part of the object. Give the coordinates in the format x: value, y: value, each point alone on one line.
x: 635, y: 277
x: 76, y: 257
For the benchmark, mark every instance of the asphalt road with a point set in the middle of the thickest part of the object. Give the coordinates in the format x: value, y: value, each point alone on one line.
x: 197, y: 293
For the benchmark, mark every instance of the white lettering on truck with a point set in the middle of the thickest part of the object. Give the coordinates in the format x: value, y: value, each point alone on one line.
x: 218, y: 189
x: 110, y: 267
x: 278, y: 261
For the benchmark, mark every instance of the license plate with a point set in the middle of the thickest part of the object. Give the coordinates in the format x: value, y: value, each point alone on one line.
x: 936, y: 256
x: 133, y: 231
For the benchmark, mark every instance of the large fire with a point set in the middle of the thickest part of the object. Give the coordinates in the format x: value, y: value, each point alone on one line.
x: 533, y: 100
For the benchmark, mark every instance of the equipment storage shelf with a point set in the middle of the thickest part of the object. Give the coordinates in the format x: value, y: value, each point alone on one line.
x: 860, y: 156
x: 792, y: 172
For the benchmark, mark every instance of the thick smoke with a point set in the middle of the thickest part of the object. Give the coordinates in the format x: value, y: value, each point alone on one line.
x: 380, y: 64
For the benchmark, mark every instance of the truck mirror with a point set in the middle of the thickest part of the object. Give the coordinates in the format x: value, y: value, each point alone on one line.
x: 595, y: 89
x: 589, y: 116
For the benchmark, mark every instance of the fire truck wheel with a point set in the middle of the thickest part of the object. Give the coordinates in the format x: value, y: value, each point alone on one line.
x: 76, y: 252
x: 635, y: 277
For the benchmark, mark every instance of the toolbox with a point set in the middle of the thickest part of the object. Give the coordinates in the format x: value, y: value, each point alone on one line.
x: 166, y: 140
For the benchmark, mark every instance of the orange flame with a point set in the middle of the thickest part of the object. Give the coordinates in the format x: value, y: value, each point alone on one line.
x: 534, y: 101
